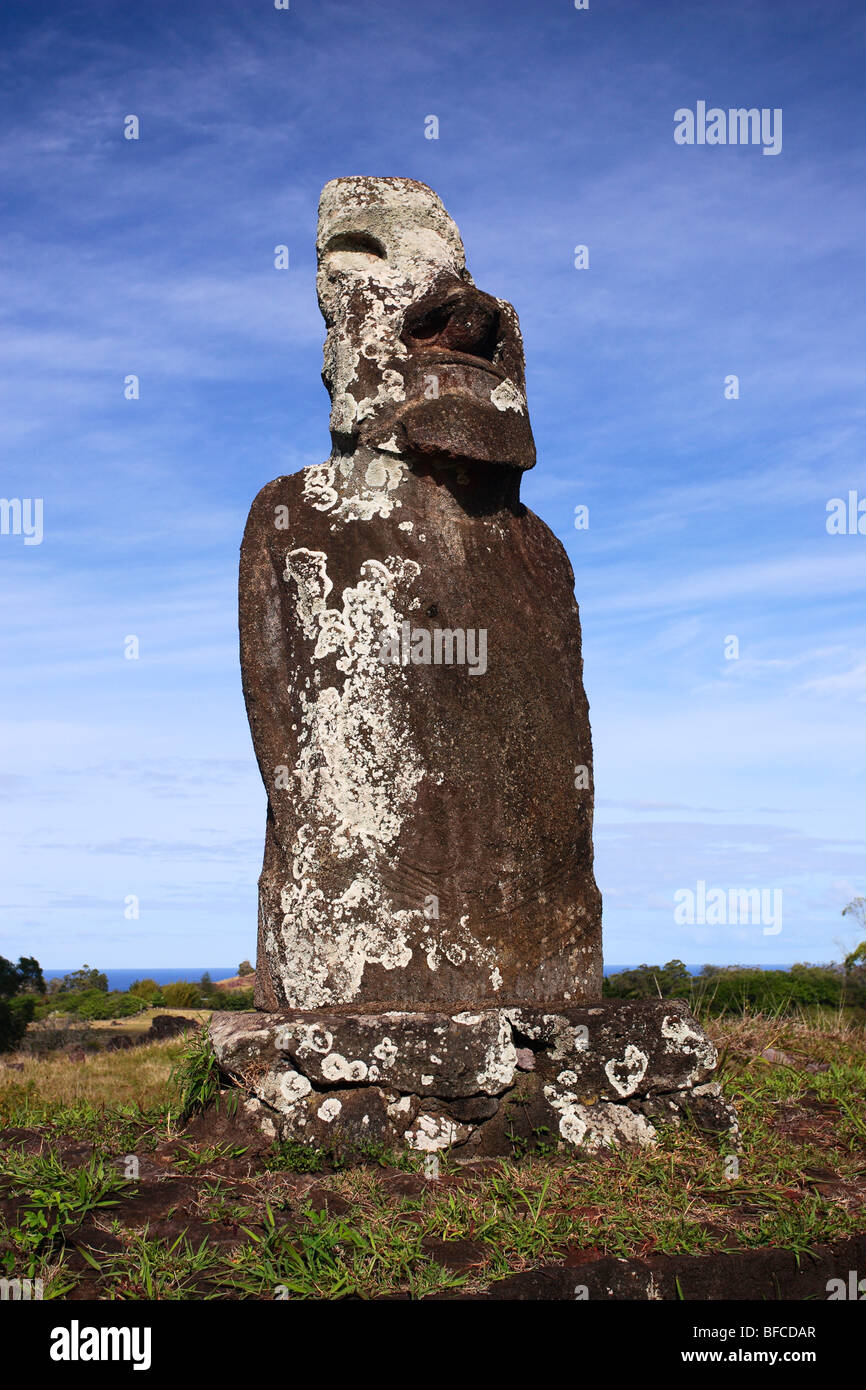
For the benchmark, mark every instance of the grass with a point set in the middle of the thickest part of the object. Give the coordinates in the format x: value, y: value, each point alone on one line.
x: 53, y: 1202
x: 197, y: 1076
x: 129, y: 1077
x: 333, y: 1257
x: 295, y: 1224
x: 157, y: 1269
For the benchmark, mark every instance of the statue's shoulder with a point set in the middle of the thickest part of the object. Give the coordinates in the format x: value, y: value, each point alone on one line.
x: 277, y: 507
x: 546, y: 545
x: 287, y: 490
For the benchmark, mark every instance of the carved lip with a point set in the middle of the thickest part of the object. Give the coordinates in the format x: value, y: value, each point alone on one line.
x: 460, y: 359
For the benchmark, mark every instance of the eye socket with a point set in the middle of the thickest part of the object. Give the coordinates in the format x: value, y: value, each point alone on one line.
x: 359, y: 242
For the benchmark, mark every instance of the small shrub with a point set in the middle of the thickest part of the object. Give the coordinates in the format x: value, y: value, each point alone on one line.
x: 56, y: 1034
x: 92, y: 1004
x: 293, y: 1157
x: 181, y: 994
x: 236, y: 1000
x: 148, y: 990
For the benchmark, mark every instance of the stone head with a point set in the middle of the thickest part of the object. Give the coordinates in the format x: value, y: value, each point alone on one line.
x: 418, y: 362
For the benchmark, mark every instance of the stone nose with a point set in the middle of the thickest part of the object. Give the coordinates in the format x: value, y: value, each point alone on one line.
x: 456, y: 318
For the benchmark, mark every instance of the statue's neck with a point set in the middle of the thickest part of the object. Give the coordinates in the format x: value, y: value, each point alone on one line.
x: 477, y: 488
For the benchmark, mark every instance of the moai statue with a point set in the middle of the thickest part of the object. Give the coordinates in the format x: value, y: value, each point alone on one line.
x: 429, y: 924
x: 410, y: 648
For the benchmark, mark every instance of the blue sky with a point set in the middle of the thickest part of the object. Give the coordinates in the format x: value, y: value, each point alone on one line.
x: 707, y: 515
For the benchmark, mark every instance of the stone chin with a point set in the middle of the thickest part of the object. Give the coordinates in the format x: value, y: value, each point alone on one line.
x: 457, y: 428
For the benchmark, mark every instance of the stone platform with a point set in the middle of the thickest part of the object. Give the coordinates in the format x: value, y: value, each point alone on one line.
x: 485, y: 1082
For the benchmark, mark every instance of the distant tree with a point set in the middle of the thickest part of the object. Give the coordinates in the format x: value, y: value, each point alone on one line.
x: 9, y: 979
x: 206, y: 983
x: 855, y: 960
x: 18, y: 986
x: 856, y: 909
x: 30, y: 971
x: 79, y: 981
x: 650, y: 982
x: 246, y: 969
x: 23, y: 978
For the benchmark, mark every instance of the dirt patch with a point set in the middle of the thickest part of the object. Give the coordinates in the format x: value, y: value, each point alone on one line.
x: 741, y: 1275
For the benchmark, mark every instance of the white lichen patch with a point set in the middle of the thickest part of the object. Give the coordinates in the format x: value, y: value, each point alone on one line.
x: 311, y: 1039
x: 681, y: 1037
x: 385, y: 1051
x: 284, y: 1090
x: 356, y: 775
x: 564, y: 1039
x: 337, y: 1068
x: 625, y: 1075
x: 329, y: 1109
x: 319, y: 488
x: 572, y: 1125
x: 373, y: 495
x: 308, y: 569
x: 508, y: 397
x: 500, y: 1061
x: 598, y: 1126
x: 434, y: 1132
x: 399, y: 1109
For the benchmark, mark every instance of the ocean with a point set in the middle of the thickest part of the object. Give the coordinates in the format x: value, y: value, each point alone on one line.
x: 123, y: 977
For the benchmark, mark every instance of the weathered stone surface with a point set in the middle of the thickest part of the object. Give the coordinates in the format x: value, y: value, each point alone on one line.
x: 429, y: 957
x: 603, y: 1075
x: 429, y: 828
x: 605, y: 1054
x: 424, y: 1053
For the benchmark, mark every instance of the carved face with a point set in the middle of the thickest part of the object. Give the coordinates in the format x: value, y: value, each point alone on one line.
x: 418, y: 362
